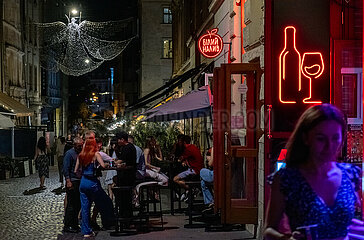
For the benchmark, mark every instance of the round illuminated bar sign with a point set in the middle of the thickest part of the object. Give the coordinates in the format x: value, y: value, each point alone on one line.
x: 210, y: 44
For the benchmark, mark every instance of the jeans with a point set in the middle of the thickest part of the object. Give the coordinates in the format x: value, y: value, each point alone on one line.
x: 91, y: 191
x: 60, y: 166
x: 73, y: 205
x: 207, y: 176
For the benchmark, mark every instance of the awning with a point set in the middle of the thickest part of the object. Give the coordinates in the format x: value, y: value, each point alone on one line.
x: 5, y: 122
x: 195, y: 104
x: 168, y: 87
x: 14, y: 106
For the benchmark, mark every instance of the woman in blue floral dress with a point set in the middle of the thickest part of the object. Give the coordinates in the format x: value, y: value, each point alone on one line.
x: 313, y: 188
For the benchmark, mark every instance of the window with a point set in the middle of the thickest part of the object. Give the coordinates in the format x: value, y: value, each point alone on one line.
x: 352, y: 94
x: 167, y: 15
x: 167, y: 48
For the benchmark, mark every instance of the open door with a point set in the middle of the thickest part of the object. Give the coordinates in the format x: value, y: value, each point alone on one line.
x: 236, y: 133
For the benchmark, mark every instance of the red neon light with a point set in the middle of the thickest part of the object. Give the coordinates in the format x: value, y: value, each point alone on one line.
x: 210, y: 45
x: 282, y: 64
x: 306, y: 71
x: 282, y: 154
x: 311, y: 70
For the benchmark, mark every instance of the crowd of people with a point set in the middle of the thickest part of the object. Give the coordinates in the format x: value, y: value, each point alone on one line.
x: 80, y: 160
x: 313, y: 194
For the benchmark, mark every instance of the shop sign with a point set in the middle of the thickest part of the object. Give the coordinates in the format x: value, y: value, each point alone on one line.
x: 300, y: 60
x: 243, y: 88
x: 210, y: 44
x: 298, y: 72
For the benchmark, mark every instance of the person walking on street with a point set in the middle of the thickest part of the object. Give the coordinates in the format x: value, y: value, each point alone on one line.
x: 42, y: 161
x: 73, y: 178
x: 69, y: 144
x: 61, y: 143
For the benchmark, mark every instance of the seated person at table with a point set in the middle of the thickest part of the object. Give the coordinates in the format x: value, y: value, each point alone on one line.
x: 140, y: 162
x: 150, y: 153
x: 192, y: 158
x: 178, y: 147
x: 207, y: 176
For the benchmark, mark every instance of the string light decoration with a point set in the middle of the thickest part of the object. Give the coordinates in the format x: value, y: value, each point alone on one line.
x: 76, y: 49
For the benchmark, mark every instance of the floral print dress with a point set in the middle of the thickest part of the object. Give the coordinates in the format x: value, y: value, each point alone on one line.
x: 303, y: 207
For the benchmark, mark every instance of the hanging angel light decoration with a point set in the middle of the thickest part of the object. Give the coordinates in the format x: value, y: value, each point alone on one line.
x: 76, y: 49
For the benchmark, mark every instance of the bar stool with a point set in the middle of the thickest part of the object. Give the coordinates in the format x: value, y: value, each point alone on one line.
x: 193, y: 185
x: 123, y: 209
x: 150, y: 194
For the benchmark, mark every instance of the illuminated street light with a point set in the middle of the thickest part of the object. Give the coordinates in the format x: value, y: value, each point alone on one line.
x: 87, y: 61
x: 74, y: 11
x: 73, y: 14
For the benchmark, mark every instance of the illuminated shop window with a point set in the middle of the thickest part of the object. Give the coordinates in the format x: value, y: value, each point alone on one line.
x: 352, y: 94
x: 167, y: 15
x: 167, y: 48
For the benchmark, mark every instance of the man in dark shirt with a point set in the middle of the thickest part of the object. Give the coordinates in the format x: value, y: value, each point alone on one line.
x: 72, y: 187
x: 126, y: 155
x: 126, y: 164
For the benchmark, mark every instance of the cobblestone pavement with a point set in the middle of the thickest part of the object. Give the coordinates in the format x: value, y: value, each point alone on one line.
x: 29, y: 213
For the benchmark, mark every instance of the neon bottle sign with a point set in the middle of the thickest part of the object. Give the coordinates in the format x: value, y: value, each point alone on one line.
x: 210, y: 45
x: 292, y: 66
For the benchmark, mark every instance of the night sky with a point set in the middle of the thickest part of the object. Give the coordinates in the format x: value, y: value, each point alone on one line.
x: 105, y: 10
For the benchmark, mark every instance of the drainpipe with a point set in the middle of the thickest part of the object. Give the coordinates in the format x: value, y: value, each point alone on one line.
x: 12, y: 143
x: 24, y: 10
x: 2, y: 85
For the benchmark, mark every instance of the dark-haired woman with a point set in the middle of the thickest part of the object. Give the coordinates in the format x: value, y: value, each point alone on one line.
x: 152, y: 152
x: 90, y: 188
x: 314, y: 189
x: 41, y: 160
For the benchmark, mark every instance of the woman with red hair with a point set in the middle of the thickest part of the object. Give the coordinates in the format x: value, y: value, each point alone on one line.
x: 90, y: 188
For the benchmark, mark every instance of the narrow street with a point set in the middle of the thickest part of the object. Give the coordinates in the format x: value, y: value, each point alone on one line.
x: 28, y: 213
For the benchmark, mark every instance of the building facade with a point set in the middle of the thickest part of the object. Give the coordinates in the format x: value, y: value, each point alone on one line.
x: 253, y: 34
x: 20, y: 65
x: 156, y: 44
x: 32, y: 71
x: 101, y: 82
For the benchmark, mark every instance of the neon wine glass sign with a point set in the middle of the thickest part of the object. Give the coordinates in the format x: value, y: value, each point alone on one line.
x: 311, y: 66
